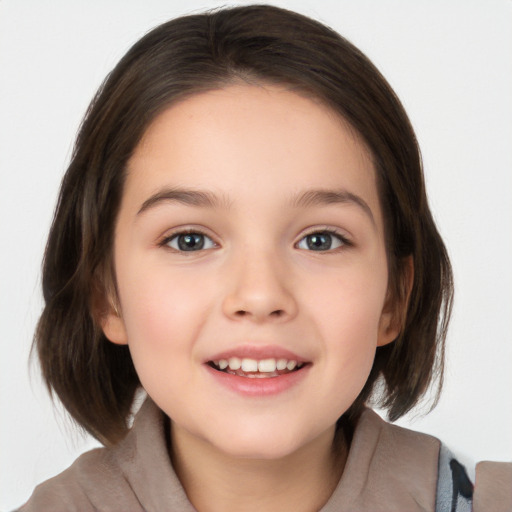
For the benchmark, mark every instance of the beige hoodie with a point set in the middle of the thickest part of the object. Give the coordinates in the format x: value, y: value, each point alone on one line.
x: 389, y: 469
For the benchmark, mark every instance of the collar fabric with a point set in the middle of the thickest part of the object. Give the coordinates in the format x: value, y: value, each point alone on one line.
x: 388, y: 468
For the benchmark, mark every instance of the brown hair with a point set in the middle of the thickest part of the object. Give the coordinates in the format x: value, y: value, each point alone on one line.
x: 96, y: 379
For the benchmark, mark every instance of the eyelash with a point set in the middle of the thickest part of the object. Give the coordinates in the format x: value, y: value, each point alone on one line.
x: 344, y: 241
x: 165, y: 242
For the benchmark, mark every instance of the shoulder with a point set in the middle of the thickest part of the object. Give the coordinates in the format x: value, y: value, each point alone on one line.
x: 93, y: 478
x: 401, y: 449
x: 420, y: 457
x: 387, y: 468
x: 136, y: 475
x: 493, y: 487
x: 101, y: 479
x: 394, y: 468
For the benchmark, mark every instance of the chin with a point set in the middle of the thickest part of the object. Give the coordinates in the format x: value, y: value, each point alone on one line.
x: 266, y: 443
x: 259, y: 451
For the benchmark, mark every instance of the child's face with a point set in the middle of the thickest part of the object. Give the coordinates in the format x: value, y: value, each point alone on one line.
x: 250, y: 227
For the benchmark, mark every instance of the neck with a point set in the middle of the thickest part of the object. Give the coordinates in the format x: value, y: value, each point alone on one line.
x: 215, y: 481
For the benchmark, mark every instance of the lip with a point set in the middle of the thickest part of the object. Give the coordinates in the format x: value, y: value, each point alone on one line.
x: 258, y: 387
x: 258, y: 352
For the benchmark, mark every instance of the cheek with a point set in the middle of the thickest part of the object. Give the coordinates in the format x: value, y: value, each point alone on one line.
x: 350, y: 303
x: 348, y: 313
x: 163, y: 320
x: 163, y: 314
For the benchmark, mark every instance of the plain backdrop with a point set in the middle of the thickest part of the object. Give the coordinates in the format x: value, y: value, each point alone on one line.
x: 451, y: 64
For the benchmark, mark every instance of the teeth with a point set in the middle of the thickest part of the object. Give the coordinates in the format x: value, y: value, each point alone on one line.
x: 249, y: 365
x: 234, y: 363
x: 281, y: 364
x: 267, y: 365
x: 291, y: 365
x: 253, y: 366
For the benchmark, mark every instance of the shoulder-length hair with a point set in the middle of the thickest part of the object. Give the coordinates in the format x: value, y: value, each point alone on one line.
x: 96, y: 379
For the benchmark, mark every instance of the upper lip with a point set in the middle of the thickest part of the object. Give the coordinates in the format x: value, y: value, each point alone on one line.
x: 258, y: 352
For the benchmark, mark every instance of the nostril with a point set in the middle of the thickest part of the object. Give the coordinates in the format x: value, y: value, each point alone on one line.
x: 278, y: 313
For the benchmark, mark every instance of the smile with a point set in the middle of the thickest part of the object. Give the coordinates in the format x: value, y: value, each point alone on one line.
x: 256, y: 368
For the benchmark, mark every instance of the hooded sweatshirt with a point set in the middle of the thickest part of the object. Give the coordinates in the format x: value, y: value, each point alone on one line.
x: 388, y: 469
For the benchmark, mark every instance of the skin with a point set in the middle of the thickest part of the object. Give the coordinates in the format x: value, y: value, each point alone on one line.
x: 256, y: 283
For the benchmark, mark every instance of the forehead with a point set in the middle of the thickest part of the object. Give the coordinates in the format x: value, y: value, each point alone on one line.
x: 244, y: 141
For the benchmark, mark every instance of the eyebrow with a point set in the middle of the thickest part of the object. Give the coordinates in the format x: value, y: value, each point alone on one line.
x: 199, y: 198
x: 320, y: 197
x: 206, y: 199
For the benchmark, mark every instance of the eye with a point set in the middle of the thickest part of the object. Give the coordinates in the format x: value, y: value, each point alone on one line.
x: 189, y: 242
x: 322, y: 241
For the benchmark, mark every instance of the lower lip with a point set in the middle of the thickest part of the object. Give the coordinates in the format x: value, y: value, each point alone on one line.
x: 265, y: 386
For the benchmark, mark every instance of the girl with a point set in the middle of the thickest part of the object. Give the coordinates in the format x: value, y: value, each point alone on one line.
x: 243, y: 232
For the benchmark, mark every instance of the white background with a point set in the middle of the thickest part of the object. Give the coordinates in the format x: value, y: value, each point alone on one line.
x: 450, y: 63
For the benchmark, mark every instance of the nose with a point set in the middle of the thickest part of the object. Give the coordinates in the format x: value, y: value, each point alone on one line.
x: 259, y: 289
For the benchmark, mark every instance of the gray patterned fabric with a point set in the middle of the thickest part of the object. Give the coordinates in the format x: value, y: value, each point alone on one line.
x: 454, y: 488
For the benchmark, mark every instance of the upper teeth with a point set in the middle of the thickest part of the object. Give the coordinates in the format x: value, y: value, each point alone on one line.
x: 255, y: 365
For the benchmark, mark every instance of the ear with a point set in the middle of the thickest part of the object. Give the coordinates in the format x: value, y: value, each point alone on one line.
x: 394, y: 311
x: 113, y: 327
x: 106, y: 312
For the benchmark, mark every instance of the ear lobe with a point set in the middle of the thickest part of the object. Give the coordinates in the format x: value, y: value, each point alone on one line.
x: 113, y: 327
x: 388, y: 330
x: 107, y: 315
x: 105, y: 309
x: 394, y: 312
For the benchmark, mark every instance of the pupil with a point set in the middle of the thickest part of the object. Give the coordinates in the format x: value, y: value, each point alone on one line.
x: 319, y: 242
x: 191, y: 242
